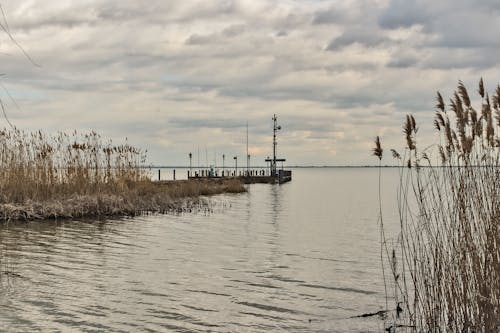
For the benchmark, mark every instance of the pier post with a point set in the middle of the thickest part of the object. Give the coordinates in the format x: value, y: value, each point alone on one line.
x: 159, y: 174
x: 174, y: 174
x: 223, y: 160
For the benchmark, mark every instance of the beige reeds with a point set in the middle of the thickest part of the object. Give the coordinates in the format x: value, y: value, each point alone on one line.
x: 74, y: 175
x: 35, y: 166
x: 449, y: 276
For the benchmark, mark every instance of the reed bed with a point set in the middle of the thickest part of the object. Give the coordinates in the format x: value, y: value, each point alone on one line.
x: 443, y: 272
x: 78, y: 175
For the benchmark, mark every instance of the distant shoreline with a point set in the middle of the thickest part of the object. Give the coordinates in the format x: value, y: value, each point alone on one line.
x: 267, y: 167
x: 319, y: 167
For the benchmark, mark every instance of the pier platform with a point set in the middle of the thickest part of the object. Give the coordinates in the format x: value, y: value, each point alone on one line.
x: 266, y: 179
x: 282, y: 176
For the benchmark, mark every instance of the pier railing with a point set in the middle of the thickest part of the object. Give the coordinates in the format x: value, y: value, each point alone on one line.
x: 255, y: 175
x: 217, y: 173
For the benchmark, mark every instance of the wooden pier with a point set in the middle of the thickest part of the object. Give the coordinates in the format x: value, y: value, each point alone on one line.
x: 266, y: 179
x: 255, y: 176
x: 269, y: 175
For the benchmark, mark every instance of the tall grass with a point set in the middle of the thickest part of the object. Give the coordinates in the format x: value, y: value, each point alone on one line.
x: 75, y: 175
x: 37, y: 166
x: 444, y: 265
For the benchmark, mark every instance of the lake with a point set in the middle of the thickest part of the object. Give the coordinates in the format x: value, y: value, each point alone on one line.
x: 298, y: 257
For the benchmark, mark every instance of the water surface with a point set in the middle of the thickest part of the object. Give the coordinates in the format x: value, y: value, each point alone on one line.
x: 298, y: 257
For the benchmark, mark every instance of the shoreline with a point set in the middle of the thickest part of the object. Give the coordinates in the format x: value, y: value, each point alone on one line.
x: 130, y: 199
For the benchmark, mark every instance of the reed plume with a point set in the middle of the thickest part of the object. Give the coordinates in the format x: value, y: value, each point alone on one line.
x: 377, y: 151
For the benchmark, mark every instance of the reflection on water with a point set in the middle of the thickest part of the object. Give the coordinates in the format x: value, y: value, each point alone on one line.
x: 300, y: 257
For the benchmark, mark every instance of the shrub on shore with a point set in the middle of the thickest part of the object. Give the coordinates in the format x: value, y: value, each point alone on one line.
x: 445, y: 266
x: 72, y: 175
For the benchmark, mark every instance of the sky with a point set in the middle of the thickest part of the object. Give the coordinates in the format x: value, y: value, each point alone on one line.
x: 181, y: 76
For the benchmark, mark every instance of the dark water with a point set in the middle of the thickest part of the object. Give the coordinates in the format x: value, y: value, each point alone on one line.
x: 300, y: 257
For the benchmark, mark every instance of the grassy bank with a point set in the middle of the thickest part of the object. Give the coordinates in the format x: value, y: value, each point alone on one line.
x: 443, y: 270
x: 80, y: 175
x: 135, y: 198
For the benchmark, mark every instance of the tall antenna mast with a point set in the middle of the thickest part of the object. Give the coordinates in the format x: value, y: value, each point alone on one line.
x: 283, y: 176
x: 276, y: 127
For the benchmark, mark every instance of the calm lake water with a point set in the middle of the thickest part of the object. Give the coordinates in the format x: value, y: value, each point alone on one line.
x: 298, y: 257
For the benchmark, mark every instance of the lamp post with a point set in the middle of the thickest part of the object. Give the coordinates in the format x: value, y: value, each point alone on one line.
x: 248, y: 165
x: 190, y: 164
x: 236, y: 166
x: 223, y: 159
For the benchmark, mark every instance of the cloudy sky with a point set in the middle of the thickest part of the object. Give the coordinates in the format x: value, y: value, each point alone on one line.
x: 178, y: 76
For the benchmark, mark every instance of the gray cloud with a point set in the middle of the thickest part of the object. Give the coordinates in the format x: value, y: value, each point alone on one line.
x: 358, y: 35
x: 175, y: 75
x: 406, y: 13
x: 329, y: 16
x: 404, y: 59
x: 346, y: 12
x: 465, y: 58
x: 206, y: 122
x: 453, y: 24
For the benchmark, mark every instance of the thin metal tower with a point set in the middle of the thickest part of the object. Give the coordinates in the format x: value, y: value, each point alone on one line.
x: 276, y: 127
x: 272, y: 161
x: 248, y: 156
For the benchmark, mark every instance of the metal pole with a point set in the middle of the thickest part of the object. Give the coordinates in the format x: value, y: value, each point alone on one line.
x: 190, y: 164
x: 276, y: 127
x: 159, y: 174
x: 223, y: 159
x: 248, y: 156
x: 236, y: 166
x: 273, y: 166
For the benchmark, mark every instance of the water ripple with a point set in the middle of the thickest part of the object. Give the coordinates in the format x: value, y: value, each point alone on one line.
x: 268, y: 307
x: 350, y: 290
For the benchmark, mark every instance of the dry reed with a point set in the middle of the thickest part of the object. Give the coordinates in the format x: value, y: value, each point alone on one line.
x: 444, y: 265
x: 73, y: 175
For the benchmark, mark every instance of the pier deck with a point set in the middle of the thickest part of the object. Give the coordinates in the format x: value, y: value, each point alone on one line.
x: 279, y: 179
